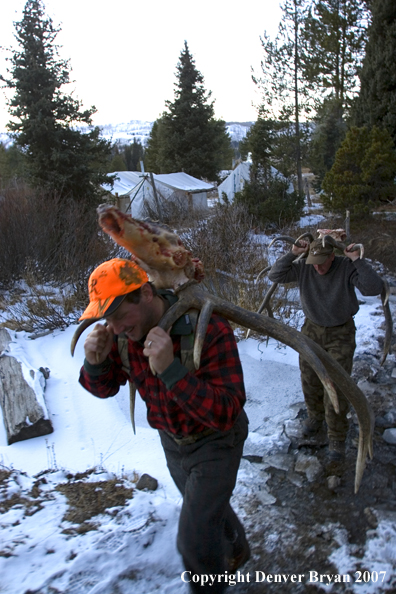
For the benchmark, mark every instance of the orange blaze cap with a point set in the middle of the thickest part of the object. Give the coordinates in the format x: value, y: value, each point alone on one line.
x: 110, y: 280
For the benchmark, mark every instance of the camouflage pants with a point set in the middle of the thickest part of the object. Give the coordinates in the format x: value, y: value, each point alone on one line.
x: 339, y: 342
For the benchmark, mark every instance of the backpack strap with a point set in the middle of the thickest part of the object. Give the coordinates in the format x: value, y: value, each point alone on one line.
x: 187, y: 341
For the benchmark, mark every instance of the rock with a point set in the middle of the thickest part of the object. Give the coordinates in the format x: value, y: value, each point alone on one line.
x: 371, y: 517
x: 25, y: 414
x: 261, y: 445
x: 295, y: 478
x: 333, y: 482
x: 310, y: 465
x: 293, y: 429
x: 279, y: 461
x: 147, y: 482
x: 390, y: 418
x: 389, y: 436
x: 264, y: 496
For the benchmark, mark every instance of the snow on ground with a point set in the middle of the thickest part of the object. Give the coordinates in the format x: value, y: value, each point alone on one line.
x: 42, y: 552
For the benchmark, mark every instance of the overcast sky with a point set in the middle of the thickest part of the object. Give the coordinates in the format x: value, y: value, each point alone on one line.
x: 123, y: 53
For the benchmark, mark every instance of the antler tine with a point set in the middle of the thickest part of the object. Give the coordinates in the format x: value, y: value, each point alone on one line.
x: 307, y: 235
x: 266, y: 304
x: 329, y: 239
x: 289, y: 239
x: 358, y: 247
x: 202, y: 326
x: 267, y: 297
x: 286, y: 238
x: 388, y: 320
x: 81, y: 328
x: 263, y: 271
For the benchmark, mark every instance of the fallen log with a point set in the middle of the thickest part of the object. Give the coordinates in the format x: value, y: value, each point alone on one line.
x: 25, y: 414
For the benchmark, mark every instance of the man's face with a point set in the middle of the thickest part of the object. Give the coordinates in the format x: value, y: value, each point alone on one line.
x: 325, y: 267
x: 135, y: 319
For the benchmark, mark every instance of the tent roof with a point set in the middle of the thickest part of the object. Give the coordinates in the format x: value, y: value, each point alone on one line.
x: 126, y: 181
x: 183, y: 181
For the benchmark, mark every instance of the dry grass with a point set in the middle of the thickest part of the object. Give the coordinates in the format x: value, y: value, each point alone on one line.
x: 379, y: 239
x: 223, y: 242
x: 89, y: 499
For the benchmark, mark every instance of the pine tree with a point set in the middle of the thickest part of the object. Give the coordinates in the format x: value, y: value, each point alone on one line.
x: 376, y: 104
x: 328, y: 133
x: 59, y: 156
x: 133, y: 154
x: 266, y: 197
x: 363, y: 172
x: 117, y: 163
x: 152, y: 153
x: 285, y: 93
x: 334, y: 35
x: 187, y: 137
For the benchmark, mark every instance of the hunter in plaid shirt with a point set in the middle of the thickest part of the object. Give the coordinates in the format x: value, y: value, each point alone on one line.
x: 178, y: 401
x: 199, y: 415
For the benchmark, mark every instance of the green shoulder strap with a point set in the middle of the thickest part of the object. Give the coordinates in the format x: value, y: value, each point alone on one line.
x: 187, y: 342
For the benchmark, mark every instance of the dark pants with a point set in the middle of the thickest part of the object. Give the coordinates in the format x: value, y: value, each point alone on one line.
x: 339, y: 342
x: 205, y: 473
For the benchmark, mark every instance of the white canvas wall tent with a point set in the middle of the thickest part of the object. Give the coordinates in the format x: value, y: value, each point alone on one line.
x: 239, y: 176
x: 134, y: 190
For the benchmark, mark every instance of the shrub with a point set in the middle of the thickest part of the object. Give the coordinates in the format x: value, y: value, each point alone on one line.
x: 269, y: 202
x: 54, y: 238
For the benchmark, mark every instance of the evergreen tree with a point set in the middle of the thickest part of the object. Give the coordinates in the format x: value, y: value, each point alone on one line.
x: 285, y: 93
x: 187, y: 137
x: 266, y: 196
x: 59, y: 157
x: 258, y: 142
x: 363, y: 172
x: 152, y: 153
x: 133, y: 154
x: 329, y: 129
x: 117, y: 163
x: 376, y: 104
x: 334, y: 34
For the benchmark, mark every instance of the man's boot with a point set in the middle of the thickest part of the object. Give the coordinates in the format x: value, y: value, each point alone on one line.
x: 311, y: 427
x: 336, y: 450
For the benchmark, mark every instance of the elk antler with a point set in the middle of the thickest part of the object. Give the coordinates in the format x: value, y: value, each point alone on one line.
x: 341, y: 246
x: 192, y: 296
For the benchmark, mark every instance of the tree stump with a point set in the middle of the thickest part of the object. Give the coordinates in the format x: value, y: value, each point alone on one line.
x: 25, y: 414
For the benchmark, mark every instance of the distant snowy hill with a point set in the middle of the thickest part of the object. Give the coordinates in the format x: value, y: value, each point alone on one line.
x: 127, y: 132
x: 136, y: 129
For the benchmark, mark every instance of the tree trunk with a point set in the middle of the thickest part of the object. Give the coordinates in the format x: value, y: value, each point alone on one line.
x: 297, y: 108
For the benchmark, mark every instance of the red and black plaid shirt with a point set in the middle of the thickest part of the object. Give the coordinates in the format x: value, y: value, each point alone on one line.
x: 213, y: 396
